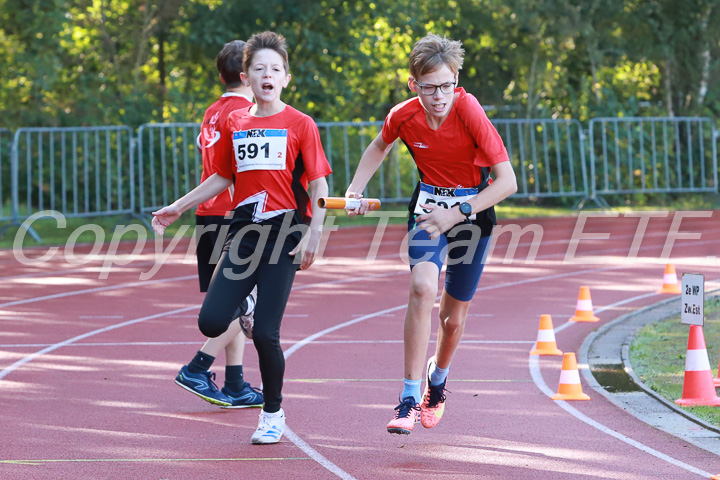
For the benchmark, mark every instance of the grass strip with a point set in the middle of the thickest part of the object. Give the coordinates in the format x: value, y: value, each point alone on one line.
x: 658, y: 352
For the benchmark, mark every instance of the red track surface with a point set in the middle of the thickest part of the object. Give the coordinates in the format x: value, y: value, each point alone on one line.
x: 104, y: 405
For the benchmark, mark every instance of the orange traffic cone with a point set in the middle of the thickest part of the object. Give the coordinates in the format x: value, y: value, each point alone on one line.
x: 569, y: 388
x: 698, y: 388
x: 584, y: 309
x: 670, y: 281
x: 717, y: 380
x: 545, y: 344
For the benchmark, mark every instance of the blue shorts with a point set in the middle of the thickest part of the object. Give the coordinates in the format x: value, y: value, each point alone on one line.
x: 465, y: 250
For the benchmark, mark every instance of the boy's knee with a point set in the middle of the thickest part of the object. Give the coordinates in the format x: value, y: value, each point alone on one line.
x: 210, y: 328
x: 422, y: 289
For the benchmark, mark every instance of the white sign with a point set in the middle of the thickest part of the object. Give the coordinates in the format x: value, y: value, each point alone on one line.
x: 693, y: 299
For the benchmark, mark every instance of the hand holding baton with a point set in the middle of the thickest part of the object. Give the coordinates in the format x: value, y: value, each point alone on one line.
x: 346, y: 203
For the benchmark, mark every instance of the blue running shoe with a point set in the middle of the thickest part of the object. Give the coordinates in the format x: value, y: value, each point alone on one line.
x: 248, y: 397
x: 202, y: 385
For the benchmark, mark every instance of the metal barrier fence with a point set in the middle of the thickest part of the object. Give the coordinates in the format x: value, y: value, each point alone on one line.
x: 548, y: 156
x: 92, y: 170
x: 5, y: 175
x: 79, y: 171
x: 652, y: 155
x: 169, y: 163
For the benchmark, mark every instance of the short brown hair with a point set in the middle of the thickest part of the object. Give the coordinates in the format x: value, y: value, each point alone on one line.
x: 432, y: 52
x: 270, y: 40
x: 229, y: 62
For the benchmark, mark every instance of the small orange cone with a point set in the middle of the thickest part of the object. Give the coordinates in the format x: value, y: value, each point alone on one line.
x: 698, y: 388
x: 584, y: 309
x: 570, y: 388
x: 545, y: 344
x: 670, y: 281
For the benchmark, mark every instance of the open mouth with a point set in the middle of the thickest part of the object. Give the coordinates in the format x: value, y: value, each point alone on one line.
x: 267, y: 87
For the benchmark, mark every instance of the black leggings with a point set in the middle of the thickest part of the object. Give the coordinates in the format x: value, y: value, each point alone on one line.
x: 273, y: 275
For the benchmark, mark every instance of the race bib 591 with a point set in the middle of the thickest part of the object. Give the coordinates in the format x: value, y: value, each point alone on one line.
x: 442, y: 197
x: 260, y: 149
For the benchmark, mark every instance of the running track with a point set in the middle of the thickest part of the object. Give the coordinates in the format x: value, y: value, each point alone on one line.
x: 87, y: 367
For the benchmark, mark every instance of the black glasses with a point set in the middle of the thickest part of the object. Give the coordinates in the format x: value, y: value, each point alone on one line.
x: 427, y: 89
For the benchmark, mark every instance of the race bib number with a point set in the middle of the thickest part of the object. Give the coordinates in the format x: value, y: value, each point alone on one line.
x: 443, y: 197
x: 260, y: 149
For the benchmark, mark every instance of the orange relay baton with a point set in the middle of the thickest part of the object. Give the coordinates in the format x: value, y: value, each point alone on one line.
x: 343, y: 203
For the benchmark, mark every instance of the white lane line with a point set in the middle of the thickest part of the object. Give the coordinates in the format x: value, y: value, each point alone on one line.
x: 96, y: 290
x: 315, y: 455
x: 4, y: 372
x: 536, y: 375
x: 179, y: 279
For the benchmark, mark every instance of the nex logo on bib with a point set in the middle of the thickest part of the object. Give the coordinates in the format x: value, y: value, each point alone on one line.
x: 255, y: 133
x: 444, y: 191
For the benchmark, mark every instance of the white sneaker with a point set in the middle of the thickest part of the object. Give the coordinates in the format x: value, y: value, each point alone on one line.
x: 247, y: 320
x: 270, y: 428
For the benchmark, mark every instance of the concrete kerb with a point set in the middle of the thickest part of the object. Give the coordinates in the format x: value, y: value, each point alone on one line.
x: 609, y: 347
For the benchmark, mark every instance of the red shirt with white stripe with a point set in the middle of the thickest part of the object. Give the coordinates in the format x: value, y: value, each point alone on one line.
x: 452, y: 155
x: 212, y: 148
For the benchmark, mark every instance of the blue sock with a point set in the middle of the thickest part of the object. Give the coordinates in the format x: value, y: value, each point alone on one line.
x: 438, y: 375
x: 411, y: 388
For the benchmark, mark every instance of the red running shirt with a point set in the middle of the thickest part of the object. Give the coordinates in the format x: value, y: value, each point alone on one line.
x: 212, y: 148
x: 274, y: 158
x: 452, y: 155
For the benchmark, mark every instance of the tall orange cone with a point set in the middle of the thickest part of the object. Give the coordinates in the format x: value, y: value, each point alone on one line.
x: 584, y: 309
x: 717, y: 380
x: 569, y: 387
x: 545, y: 344
x: 698, y: 388
x: 670, y: 281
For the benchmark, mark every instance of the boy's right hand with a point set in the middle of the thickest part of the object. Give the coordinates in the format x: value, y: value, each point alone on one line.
x: 164, y: 217
x: 362, y: 209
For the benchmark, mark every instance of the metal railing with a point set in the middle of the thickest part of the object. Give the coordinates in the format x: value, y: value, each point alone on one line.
x: 77, y: 171
x: 169, y: 163
x: 5, y: 175
x: 107, y: 170
x: 548, y: 156
x: 652, y: 155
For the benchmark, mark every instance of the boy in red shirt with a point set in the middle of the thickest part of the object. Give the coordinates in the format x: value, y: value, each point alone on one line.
x: 454, y: 146
x: 277, y: 157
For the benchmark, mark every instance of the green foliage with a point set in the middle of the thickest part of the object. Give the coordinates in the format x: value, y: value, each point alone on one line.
x: 70, y: 62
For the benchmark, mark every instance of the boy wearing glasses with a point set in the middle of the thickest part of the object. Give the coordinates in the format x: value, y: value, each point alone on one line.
x: 454, y: 146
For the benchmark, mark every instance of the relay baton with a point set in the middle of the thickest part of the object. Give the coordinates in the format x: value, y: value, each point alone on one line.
x: 343, y: 203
